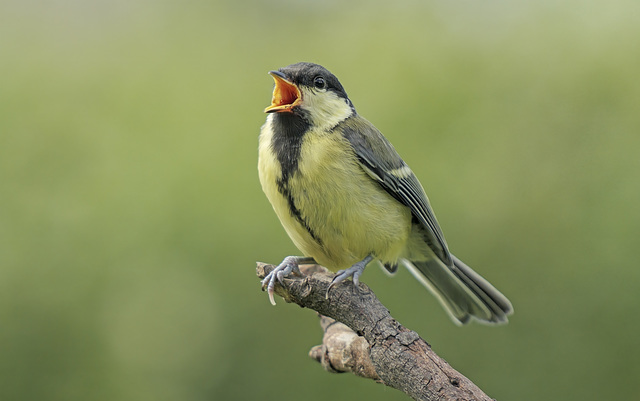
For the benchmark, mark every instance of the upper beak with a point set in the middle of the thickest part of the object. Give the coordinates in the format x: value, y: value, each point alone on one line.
x: 286, y: 94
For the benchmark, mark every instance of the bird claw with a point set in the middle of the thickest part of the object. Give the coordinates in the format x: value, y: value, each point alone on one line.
x: 354, y: 271
x: 288, y: 266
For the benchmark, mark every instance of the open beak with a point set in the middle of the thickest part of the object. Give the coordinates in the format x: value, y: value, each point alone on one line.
x: 286, y: 95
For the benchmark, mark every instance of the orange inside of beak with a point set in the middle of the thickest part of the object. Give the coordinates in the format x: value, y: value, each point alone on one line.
x: 285, y: 96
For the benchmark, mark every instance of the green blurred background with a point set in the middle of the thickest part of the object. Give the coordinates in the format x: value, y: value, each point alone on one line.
x: 131, y: 216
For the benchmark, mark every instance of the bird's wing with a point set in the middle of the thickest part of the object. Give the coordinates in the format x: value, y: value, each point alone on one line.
x: 381, y: 161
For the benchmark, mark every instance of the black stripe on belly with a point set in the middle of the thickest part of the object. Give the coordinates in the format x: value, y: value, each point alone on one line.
x: 295, y: 212
x: 289, y: 130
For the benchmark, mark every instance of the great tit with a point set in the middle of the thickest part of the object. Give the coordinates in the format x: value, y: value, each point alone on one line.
x: 346, y: 197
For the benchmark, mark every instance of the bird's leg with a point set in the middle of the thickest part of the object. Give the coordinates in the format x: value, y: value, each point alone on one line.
x: 354, y: 271
x: 289, y: 265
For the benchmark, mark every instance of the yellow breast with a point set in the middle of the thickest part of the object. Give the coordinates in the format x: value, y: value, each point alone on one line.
x: 342, y: 214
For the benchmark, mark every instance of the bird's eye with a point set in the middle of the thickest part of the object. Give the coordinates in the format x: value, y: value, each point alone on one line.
x: 319, y: 82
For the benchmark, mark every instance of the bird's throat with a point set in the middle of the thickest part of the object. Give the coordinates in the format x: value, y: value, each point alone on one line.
x: 288, y: 134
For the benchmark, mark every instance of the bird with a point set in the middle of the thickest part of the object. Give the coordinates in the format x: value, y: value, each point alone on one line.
x: 346, y: 198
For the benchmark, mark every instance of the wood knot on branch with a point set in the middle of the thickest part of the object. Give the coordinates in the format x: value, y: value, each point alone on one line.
x: 342, y: 350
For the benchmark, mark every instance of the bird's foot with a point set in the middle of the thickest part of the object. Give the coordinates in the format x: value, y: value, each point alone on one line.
x: 288, y: 266
x: 354, y: 271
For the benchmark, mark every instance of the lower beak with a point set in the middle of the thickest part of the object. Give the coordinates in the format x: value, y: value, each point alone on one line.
x: 286, y: 94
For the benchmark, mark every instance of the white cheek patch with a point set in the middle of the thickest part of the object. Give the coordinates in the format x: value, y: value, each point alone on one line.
x: 326, y: 109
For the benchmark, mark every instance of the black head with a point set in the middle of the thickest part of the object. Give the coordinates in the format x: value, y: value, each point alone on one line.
x: 313, y: 76
x: 309, y: 92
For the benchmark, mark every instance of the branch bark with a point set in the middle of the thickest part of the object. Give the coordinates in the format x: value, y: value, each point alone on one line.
x: 370, y: 342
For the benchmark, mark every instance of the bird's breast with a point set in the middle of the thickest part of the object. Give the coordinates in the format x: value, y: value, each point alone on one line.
x: 329, y: 206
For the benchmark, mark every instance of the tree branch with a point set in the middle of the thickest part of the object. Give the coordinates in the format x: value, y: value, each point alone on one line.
x: 374, y: 344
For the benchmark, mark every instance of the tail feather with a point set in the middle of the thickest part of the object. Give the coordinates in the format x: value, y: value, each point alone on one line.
x: 463, y: 292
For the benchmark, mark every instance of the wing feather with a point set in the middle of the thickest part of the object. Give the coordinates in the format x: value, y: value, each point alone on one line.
x: 382, y: 163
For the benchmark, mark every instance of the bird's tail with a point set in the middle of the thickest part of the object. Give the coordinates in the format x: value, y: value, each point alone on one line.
x: 463, y: 292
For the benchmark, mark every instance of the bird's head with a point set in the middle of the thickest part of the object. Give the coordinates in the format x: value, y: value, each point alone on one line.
x: 310, y: 92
